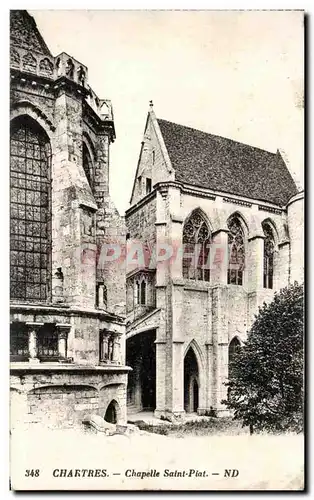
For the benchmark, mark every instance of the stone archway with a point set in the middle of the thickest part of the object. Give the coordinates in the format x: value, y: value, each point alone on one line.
x: 141, y: 357
x: 191, y: 382
x: 112, y: 413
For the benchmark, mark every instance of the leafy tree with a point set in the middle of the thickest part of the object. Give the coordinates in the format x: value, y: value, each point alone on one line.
x: 265, y: 389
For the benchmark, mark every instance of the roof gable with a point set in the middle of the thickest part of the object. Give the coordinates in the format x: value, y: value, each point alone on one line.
x: 153, y: 162
x: 24, y: 33
x: 225, y: 165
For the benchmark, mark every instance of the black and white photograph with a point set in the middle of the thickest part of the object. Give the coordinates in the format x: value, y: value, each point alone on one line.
x: 156, y: 250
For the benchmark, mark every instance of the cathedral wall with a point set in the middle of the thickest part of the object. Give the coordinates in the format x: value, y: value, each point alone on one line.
x: 141, y: 222
x: 58, y: 378
x: 64, y: 399
x: 218, y: 211
x: 38, y: 96
x: 195, y: 316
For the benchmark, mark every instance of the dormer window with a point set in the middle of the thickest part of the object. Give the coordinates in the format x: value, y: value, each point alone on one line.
x: 148, y: 185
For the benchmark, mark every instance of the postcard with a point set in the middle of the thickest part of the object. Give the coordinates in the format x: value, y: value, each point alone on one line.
x: 156, y: 250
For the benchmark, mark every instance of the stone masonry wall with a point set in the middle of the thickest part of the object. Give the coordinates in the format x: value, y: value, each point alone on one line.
x: 141, y: 222
x: 65, y: 399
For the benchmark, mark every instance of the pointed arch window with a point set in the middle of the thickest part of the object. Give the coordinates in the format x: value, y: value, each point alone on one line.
x: 196, y: 247
x: 234, y: 348
x: 141, y: 291
x: 30, y: 212
x: 236, y: 252
x: 269, y: 249
x: 88, y: 166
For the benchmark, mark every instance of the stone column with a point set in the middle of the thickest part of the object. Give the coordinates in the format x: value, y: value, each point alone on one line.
x: 161, y: 303
x: 111, y: 349
x: 176, y: 305
x: 220, y: 345
x: 219, y: 257
x: 105, y: 353
x: 160, y: 377
x: 177, y: 367
x: 63, y: 331
x: 100, y: 298
x: 281, y: 265
x: 254, y: 263
x: 209, y: 376
x: 74, y: 247
x: 222, y: 354
x: 137, y: 384
x: 32, y: 340
x: 177, y: 406
x: 116, y: 350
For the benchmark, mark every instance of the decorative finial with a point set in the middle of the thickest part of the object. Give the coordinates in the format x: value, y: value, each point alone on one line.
x: 151, y: 105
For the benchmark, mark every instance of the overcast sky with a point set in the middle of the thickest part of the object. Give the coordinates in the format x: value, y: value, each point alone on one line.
x: 235, y: 74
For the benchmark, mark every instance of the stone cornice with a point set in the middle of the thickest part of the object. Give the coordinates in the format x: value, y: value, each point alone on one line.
x: 26, y: 367
x: 65, y: 310
x: 236, y: 201
x: 201, y: 192
x: 272, y: 210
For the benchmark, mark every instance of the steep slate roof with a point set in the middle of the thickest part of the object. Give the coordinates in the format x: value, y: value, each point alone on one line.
x: 24, y: 33
x: 221, y: 164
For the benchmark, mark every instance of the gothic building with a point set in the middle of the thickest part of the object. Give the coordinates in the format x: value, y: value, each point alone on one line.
x: 209, y: 200
x: 67, y: 340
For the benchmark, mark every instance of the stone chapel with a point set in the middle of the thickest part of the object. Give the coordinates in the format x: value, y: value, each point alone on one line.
x: 240, y: 207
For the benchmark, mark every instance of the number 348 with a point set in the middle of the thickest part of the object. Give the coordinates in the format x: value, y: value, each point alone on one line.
x: 32, y: 472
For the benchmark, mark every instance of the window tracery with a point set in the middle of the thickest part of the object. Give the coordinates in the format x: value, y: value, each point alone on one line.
x: 236, y: 252
x: 196, y: 245
x: 269, y: 249
x: 30, y: 213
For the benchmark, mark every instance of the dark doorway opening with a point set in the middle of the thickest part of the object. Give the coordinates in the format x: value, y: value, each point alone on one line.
x: 191, y: 385
x: 111, y: 413
x: 195, y: 395
x: 141, y: 356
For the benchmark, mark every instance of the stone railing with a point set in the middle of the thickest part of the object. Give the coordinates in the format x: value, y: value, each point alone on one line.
x: 47, y: 66
x: 102, y: 107
x: 25, y: 60
x: 61, y: 66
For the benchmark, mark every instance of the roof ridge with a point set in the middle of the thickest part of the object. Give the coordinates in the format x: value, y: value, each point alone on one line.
x: 219, y: 137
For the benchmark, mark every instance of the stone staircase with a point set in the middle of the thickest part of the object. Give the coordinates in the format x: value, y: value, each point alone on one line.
x: 131, y: 408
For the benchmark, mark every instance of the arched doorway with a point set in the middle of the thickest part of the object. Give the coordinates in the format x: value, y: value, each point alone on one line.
x: 195, y: 395
x: 141, y: 356
x: 191, y: 382
x: 111, y: 415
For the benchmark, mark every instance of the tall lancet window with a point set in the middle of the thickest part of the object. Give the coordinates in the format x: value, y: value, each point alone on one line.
x: 236, y: 252
x: 269, y: 249
x: 196, y: 247
x: 88, y: 166
x: 30, y: 212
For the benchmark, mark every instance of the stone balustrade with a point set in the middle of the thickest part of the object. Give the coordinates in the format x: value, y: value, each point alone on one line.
x: 61, y: 66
